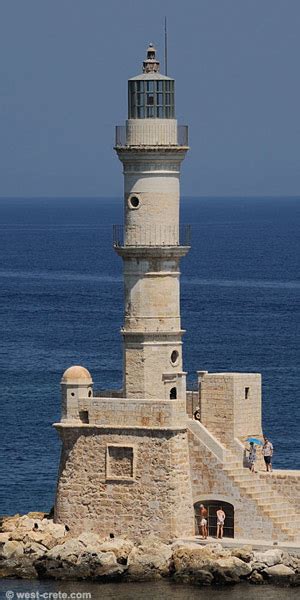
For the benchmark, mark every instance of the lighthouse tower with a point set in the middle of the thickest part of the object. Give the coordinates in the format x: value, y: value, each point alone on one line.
x: 151, y: 148
x: 125, y: 459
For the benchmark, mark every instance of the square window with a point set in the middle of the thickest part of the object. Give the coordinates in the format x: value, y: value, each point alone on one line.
x: 120, y: 462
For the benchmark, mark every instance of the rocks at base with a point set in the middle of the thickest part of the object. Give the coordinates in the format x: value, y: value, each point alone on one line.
x: 269, y: 558
x: 245, y: 553
x: 32, y: 546
x: 11, y: 549
x: 256, y: 578
x: 230, y: 570
x: 280, y: 574
x: 120, y: 547
x: 223, y: 568
x: 87, y: 565
x: 150, y: 560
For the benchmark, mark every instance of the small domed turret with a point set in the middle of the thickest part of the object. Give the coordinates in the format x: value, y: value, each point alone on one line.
x: 77, y: 385
x: 76, y: 373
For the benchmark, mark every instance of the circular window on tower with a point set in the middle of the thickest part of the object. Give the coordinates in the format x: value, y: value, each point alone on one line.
x: 134, y: 202
x: 175, y: 358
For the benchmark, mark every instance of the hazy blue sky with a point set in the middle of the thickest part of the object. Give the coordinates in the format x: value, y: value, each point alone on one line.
x: 64, y: 66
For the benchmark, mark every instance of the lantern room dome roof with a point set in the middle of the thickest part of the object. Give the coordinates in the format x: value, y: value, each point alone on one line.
x: 151, y: 67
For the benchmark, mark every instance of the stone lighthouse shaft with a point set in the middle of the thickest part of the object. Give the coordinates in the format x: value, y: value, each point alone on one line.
x: 151, y: 147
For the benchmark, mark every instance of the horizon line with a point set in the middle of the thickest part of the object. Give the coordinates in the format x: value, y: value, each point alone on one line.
x: 96, y: 197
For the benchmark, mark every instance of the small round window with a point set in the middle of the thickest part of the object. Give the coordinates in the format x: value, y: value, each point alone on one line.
x: 133, y: 202
x: 174, y: 357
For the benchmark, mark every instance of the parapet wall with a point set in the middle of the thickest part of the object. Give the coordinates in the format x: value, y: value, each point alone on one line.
x: 125, y: 413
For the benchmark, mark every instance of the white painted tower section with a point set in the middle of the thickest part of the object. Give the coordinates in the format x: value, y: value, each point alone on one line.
x: 151, y: 153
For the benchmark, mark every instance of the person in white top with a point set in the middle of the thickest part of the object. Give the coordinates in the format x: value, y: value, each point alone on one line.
x: 220, y: 522
x: 267, y: 451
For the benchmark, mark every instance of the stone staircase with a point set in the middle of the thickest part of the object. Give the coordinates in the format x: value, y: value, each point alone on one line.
x: 282, y: 512
x: 271, y: 504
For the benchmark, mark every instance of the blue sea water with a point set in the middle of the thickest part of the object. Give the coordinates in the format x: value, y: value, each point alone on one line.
x: 61, y: 303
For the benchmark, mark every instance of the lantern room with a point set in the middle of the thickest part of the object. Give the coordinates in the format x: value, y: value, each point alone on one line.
x: 151, y: 94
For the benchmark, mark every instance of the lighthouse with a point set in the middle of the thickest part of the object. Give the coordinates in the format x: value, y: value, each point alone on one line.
x: 125, y: 460
x: 151, y: 148
x: 134, y: 461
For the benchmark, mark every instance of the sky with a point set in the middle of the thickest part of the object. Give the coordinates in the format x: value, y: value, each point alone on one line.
x: 64, y: 66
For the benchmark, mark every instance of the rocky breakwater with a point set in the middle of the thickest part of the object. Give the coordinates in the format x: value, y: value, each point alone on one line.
x: 33, y: 547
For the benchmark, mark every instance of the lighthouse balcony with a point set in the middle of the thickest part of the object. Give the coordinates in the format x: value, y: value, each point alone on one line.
x: 151, y: 236
x: 153, y: 133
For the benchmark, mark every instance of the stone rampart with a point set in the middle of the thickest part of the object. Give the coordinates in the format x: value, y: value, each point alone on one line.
x: 132, y: 481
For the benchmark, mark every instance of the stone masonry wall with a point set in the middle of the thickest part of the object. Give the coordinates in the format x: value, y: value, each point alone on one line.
x: 217, y: 406
x: 231, y: 405
x: 247, y: 411
x: 131, y: 483
x: 210, y: 482
x: 286, y: 483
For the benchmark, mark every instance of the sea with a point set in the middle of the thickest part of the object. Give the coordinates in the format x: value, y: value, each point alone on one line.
x: 61, y: 303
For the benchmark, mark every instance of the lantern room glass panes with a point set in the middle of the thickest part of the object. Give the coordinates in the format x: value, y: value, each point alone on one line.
x: 151, y: 99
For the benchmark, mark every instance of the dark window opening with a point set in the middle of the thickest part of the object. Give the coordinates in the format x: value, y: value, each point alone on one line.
x: 72, y: 394
x: 84, y: 416
x: 247, y: 390
x: 150, y: 99
x: 173, y: 393
x: 174, y: 356
x: 134, y: 202
x: 90, y: 394
x: 212, y: 507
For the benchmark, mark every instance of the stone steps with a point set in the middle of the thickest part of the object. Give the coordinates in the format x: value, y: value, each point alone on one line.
x: 270, y: 504
x: 268, y: 501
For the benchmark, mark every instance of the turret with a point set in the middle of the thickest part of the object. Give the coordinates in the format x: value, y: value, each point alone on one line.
x: 76, y: 385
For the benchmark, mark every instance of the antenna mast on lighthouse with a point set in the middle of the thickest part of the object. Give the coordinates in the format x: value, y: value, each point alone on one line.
x: 166, y: 48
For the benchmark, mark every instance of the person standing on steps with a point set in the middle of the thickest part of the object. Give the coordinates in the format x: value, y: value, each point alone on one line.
x: 203, y: 522
x: 252, y: 457
x: 267, y: 451
x: 220, y: 522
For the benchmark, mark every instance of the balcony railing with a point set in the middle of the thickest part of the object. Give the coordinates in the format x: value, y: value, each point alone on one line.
x: 152, y: 235
x: 122, y: 136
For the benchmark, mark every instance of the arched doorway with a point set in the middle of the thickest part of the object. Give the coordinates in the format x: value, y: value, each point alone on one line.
x: 212, y: 507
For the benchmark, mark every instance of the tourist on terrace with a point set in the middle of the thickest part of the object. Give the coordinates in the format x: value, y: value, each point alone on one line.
x: 203, y: 522
x: 220, y: 522
x: 267, y: 451
x: 252, y: 457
